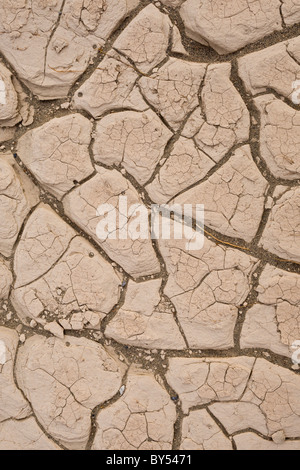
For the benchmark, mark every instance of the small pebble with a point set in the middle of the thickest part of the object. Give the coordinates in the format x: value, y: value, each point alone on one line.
x: 65, y: 105
x: 278, y: 437
x: 22, y: 338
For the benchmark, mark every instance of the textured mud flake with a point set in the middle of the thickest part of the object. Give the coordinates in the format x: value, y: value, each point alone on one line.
x: 202, y: 381
x: 251, y: 441
x: 24, y: 435
x: 50, y: 47
x: 207, y: 286
x: 185, y: 166
x: 146, y: 319
x: 282, y: 231
x: 57, y: 153
x: 26, y: 28
x: 12, y: 404
x: 44, y: 240
x: 9, y: 112
x: 238, y: 416
x: 83, y: 28
x: 77, y: 291
x: 275, y: 390
x: 229, y: 26
x: 143, y: 418
x: 134, y: 140
x: 279, y: 137
x: 238, y: 387
x: 222, y: 120
x: 274, y: 322
x: 17, y: 196
x: 112, y: 86
x: 136, y: 256
x: 173, y: 89
x: 291, y: 11
x: 172, y: 3
x: 6, y: 279
x: 276, y: 68
x: 65, y: 381
x: 200, y: 432
x: 146, y: 38
x: 14, y: 105
x: 233, y: 197
x: 175, y: 43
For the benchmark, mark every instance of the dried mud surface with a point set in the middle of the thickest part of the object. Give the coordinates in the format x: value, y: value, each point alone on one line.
x: 136, y: 345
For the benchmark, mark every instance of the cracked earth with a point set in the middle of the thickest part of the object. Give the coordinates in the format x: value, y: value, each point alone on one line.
x: 142, y: 344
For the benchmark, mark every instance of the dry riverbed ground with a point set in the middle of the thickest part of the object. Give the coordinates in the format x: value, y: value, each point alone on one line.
x: 144, y: 344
